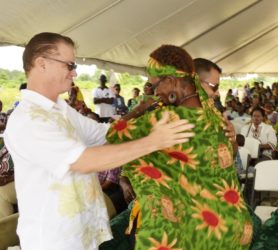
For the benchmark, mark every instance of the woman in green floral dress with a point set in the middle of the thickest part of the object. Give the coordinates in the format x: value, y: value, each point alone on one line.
x: 188, y: 196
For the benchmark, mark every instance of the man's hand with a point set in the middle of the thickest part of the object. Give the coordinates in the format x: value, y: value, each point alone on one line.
x: 231, y: 134
x: 229, y: 130
x: 168, y: 134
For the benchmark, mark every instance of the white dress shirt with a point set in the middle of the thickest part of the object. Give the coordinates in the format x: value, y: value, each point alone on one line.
x: 58, y: 209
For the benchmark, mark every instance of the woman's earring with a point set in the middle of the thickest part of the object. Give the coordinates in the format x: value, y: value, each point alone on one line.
x: 172, y: 97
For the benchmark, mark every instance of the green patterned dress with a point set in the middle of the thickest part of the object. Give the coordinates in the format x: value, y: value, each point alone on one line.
x: 189, y: 194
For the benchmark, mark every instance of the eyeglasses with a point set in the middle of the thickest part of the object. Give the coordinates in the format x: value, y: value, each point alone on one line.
x: 214, y: 86
x: 71, y: 65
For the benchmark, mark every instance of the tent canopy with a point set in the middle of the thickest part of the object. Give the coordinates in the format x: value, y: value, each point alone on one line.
x: 239, y: 35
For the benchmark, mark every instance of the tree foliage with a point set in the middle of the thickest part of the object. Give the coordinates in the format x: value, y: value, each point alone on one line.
x: 127, y: 79
x: 11, y: 80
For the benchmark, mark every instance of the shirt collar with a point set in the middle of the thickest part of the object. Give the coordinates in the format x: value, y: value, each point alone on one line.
x: 40, y: 100
x: 260, y: 125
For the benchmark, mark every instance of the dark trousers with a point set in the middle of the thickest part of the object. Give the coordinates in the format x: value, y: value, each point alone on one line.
x: 116, y: 195
x: 104, y: 119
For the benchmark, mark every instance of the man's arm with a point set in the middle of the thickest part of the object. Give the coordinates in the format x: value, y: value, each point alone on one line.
x: 265, y: 146
x: 99, y: 100
x: 108, y: 100
x: 271, y: 140
x: 163, y: 135
x: 103, y: 100
x: 140, y: 109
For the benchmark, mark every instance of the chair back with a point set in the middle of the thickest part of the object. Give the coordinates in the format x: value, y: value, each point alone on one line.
x: 237, y: 126
x: 253, y: 145
x: 244, y: 156
x: 266, y: 176
x: 243, y: 120
x: 239, y: 122
x: 111, y: 210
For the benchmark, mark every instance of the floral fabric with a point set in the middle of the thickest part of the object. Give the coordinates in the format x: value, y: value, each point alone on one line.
x: 188, y: 194
x: 6, y: 165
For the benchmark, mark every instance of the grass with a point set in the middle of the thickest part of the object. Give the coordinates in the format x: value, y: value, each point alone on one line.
x: 9, y: 96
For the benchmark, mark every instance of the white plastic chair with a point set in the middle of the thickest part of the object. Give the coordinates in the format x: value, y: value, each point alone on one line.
x: 253, y: 145
x: 249, y: 173
x: 266, y: 180
x: 243, y: 120
x: 239, y: 122
x: 237, y: 126
x: 244, y: 156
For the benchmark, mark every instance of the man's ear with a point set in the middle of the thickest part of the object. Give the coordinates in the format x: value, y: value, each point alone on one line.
x: 39, y: 63
x: 204, y: 75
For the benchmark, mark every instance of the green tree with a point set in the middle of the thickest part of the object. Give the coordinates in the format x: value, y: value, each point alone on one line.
x: 98, y: 72
x: 127, y: 79
x: 84, y: 77
x: 3, y: 77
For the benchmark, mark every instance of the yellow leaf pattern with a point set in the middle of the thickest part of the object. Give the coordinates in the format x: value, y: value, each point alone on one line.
x: 57, y: 117
x: 70, y: 201
x: 87, y: 237
x: 76, y: 196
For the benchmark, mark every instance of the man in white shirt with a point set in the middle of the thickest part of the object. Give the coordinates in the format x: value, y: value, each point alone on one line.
x: 103, y: 98
x: 56, y: 152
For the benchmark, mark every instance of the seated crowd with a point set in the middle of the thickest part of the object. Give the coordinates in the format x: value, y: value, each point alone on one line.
x: 256, y: 116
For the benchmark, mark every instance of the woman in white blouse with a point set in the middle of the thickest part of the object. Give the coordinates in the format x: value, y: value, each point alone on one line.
x: 262, y: 132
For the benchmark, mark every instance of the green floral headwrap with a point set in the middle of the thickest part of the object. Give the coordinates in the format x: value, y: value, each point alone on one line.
x: 154, y: 68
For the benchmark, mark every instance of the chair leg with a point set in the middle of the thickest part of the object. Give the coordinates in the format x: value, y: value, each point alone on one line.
x: 245, y: 185
x: 252, y: 201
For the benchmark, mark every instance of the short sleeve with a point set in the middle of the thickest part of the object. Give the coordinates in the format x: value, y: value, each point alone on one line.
x: 47, y: 145
x: 95, y: 93
x: 91, y: 132
x: 111, y: 94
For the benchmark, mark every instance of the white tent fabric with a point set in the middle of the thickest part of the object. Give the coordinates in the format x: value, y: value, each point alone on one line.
x: 239, y: 35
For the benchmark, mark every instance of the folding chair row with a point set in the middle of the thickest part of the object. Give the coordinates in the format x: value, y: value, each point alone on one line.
x: 265, y: 180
